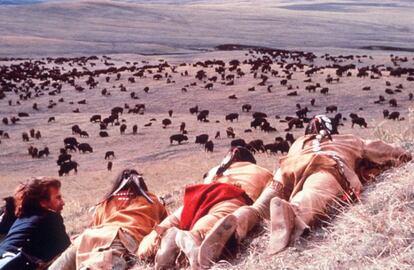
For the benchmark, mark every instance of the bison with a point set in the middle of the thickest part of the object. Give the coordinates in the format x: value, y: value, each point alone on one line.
x: 178, y: 137
x: 103, y: 134
x: 232, y: 116
x: 66, y: 167
x: 95, y: 118
x: 85, y: 147
x: 70, y: 141
x: 209, y: 146
x: 246, y: 107
x: 359, y: 121
x: 109, y: 154
x: 201, y: 139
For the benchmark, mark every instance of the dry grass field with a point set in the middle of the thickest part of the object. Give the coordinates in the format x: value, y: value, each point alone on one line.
x: 375, y: 233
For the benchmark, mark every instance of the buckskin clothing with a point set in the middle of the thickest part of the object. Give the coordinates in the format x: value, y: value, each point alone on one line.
x: 316, y: 172
x: 117, y: 229
x: 249, y: 177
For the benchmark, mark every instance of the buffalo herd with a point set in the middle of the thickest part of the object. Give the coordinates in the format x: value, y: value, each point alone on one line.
x: 274, y: 75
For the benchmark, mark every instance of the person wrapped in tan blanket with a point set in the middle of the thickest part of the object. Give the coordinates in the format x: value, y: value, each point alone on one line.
x: 125, y: 215
x: 201, y: 228
x: 321, y: 168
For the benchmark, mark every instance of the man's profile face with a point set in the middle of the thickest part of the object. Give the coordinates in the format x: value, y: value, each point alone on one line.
x: 55, y: 203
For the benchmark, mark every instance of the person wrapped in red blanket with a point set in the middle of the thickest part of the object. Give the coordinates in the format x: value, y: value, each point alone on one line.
x: 203, y: 225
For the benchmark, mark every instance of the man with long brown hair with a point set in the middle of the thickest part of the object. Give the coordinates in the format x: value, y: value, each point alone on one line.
x: 38, y: 235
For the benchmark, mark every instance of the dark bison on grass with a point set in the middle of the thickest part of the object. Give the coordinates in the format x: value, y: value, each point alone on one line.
x: 66, y: 167
x: 209, y: 146
x: 359, y: 121
x: 256, y: 146
x: 246, y: 107
x: 331, y: 109
x: 232, y: 116
x: 178, y: 137
x: 238, y: 142
x: 95, y: 118
x: 70, y: 141
x: 63, y: 158
x: 283, y: 147
x: 109, y: 154
x: 259, y: 115
x: 394, y: 116
x: 103, y: 134
x: 201, y: 139
x: 85, y: 147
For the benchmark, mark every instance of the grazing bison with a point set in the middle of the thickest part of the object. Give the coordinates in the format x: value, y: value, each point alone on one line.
x: 182, y: 127
x: 178, y: 137
x: 238, y: 142
x: 122, y: 128
x: 95, y: 118
x: 202, y: 116
x: 331, y: 109
x: 134, y: 129
x: 246, y: 107
x: 325, y: 90
x: 84, y: 134
x: 298, y: 123
x: 217, y: 135
x: 25, y: 137
x: 76, y: 129
x: 385, y: 113
x: 51, y: 119
x: 70, y: 141
x: 393, y: 102
x: 166, y: 122
x: 201, y: 139
x: 232, y: 116
x: 359, y: 121
x: 394, y: 116
x: 257, y: 122
x: 103, y: 134
x: 194, y: 110
x: 170, y: 113
x: 256, y: 146
x: 38, y: 135
x: 117, y: 110
x: 230, y: 132
x: 109, y: 154
x: 109, y: 166
x: 63, y: 158
x: 209, y: 146
x: 283, y: 147
x: 66, y: 167
x: 44, y: 152
x: 85, y: 147
x: 259, y: 115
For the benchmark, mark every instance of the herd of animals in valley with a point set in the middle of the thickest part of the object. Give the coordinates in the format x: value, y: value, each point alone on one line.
x: 64, y: 109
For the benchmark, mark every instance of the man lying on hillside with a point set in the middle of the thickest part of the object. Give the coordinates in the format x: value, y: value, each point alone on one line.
x: 125, y: 215
x: 202, y: 227
x: 320, y: 169
x: 38, y: 234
